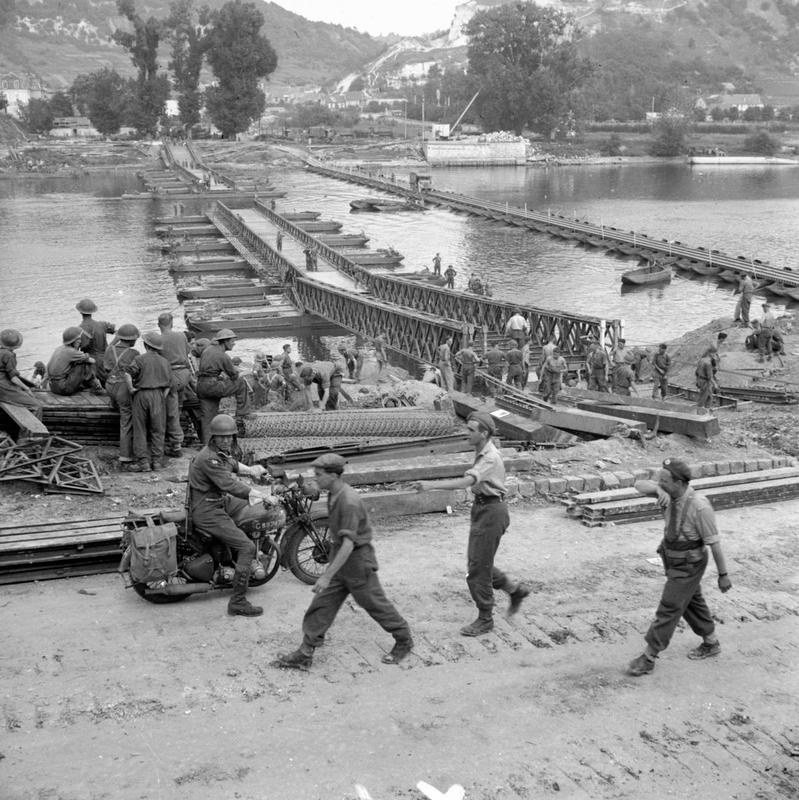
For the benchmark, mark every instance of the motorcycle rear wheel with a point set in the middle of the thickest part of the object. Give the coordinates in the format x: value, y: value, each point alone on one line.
x: 307, y: 551
x: 271, y: 563
x: 154, y: 597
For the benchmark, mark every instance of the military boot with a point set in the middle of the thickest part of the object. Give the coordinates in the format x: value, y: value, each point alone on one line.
x: 238, y: 604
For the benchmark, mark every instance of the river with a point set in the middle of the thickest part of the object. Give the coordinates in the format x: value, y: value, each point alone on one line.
x: 66, y: 238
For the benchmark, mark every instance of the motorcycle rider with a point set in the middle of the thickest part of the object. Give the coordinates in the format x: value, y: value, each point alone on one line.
x: 215, y: 496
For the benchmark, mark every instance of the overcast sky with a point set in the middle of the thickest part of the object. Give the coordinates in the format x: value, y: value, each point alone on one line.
x: 408, y: 17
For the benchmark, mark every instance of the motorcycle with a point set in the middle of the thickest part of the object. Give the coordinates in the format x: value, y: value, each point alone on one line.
x: 167, y: 561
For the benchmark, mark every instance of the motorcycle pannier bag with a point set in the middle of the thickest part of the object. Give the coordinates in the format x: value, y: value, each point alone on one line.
x: 153, y: 552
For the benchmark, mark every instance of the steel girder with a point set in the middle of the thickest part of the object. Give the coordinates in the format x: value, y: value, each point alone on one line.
x: 407, y: 332
x: 570, y: 330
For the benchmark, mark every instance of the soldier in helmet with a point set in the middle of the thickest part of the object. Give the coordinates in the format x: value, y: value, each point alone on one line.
x: 149, y: 381
x: 118, y: 357
x: 215, y: 495
x: 69, y: 370
x: 176, y: 352
x: 218, y: 377
x: 13, y: 387
x: 95, y: 343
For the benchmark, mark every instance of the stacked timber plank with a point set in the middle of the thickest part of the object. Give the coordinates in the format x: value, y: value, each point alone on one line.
x: 85, y: 418
x: 620, y: 506
x: 41, y: 551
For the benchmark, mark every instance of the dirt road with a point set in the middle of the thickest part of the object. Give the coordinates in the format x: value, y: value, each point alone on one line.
x: 106, y: 696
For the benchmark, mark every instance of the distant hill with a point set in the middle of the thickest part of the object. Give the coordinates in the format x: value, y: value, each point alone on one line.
x: 59, y: 39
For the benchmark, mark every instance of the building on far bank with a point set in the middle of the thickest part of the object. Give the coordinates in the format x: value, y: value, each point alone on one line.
x: 21, y: 89
x: 72, y: 128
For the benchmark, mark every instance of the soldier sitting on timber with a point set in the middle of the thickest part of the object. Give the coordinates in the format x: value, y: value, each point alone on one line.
x: 13, y: 387
x: 69, y: 370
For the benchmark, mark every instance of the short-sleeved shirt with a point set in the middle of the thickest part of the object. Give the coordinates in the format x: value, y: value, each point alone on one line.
x: 150, y: 371
x: 663, y: 362
x: 8, y: 364
x: 211, y: 473
x: 747, y: 287
x: 96, y: 344
x: 556, y: 365
x: 468, y: 358
x: 494, y: 357
x: 598, y: 359
x: 63, y: 359
x: 704, y: 370
x: 488, y: 471
x: 347, y: 517
x: 621, y: 355
x: 517, y: 323
x: 694, y: 517
x: 176, y: 349
x: 514, y: 357
x: 214, y: 362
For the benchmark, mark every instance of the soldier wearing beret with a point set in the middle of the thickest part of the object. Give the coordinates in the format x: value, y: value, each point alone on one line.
x: 352, y: 570
x: 489, y: 521
x: 690, y: 531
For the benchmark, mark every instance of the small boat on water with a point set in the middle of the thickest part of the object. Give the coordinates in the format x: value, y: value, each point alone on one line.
x: 650, y: 273
x: 701, y: 268
x: 241, y: 289
x: 423, y: 275
x: 778, y: 288
x: 342, y: 239
x: 297, y: 216
x: 189, y: 219
x: 198, y: 246
x: 387, y: 258
x: 237, y: 266
x: 378, y: 204
x: 177, y: 230
x: 319, y: 226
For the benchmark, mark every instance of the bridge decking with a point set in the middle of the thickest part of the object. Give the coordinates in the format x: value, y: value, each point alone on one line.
x: 557, y: 225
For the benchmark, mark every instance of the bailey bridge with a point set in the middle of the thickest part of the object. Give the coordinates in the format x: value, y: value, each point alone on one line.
x: 414, y: 319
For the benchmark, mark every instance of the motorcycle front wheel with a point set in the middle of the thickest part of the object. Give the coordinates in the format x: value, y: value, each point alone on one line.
x: 307, y: 551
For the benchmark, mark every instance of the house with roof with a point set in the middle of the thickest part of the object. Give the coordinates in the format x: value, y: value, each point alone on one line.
x: 738, y: 101
x: 20, y: 89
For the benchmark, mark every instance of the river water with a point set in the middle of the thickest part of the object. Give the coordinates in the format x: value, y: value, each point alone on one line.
x: 66, y: 238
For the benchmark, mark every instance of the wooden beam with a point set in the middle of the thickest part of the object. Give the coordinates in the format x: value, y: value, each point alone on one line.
x: 669, y: 421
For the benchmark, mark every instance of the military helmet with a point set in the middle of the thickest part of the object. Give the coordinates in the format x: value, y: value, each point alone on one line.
x: 72, y: 334
x: 86, y: 306
x: 10, y: 337
x: 223, y: 425
x: 153, y: 340
x: 128, y: 332
x: 225, y: 333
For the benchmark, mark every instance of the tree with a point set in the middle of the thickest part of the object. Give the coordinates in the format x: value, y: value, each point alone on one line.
x: 761, y: 143
x: 239, y: 55
x: 104, y: 97
x: 669, y: 136
x: 188, y: 49
x: 60, y: 105
x: 36, y: 115
x: 525, y: 62
x: 3, y: 102
x: 152, y: 88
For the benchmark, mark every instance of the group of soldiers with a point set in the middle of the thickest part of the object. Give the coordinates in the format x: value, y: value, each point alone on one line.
x: 150, y: 389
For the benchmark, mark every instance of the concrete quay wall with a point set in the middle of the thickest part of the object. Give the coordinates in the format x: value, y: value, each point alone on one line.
x: 470, y: 153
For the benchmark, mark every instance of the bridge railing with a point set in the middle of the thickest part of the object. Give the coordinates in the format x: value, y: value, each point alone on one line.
x: 256, y: 244
x: 476, y: 312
